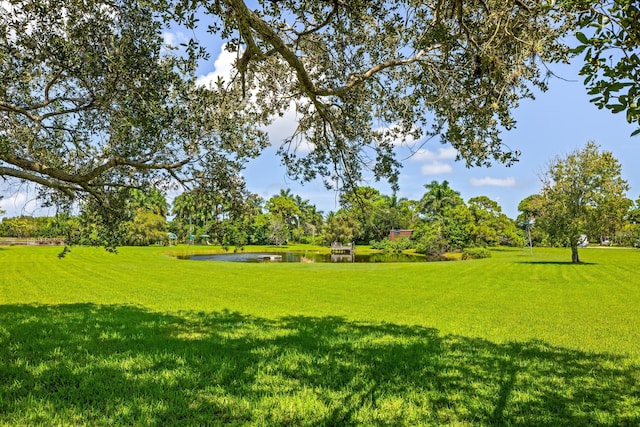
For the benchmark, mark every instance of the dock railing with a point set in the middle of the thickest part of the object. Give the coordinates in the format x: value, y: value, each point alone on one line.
x: 344, y: 248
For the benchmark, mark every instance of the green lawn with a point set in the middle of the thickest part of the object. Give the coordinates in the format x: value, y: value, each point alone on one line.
x: 145, y: 339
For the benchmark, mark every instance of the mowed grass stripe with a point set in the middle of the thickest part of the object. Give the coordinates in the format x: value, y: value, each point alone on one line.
x: 513, y: 296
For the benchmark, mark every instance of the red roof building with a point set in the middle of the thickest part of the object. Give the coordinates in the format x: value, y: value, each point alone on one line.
x: 396, y: 234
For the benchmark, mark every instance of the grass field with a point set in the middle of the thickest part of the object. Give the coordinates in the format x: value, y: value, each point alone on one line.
x: 141, y: 338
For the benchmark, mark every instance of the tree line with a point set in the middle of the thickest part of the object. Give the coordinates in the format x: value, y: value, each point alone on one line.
x: 582, y: 195
x: 441, y: 221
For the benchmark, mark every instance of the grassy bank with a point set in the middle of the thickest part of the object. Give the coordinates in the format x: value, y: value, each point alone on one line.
x: 143, y: 338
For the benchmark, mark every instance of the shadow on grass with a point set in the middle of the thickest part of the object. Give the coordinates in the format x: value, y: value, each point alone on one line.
x: 88, y: 364
x: 557, y: 263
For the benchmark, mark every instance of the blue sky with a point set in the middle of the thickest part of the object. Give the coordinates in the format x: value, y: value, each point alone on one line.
x: 556, y: 123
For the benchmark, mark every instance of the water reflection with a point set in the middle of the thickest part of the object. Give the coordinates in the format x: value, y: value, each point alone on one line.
x: 343, y: 257
x: 309, y: 257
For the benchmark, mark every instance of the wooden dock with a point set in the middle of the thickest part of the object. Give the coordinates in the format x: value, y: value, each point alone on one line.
x: 343, y: 248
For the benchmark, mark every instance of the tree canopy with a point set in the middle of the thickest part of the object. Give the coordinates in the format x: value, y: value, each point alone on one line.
x: 610, y: 45
x: 580, y: 193
x: 93, y: 103
x: 94, y: 81
x: 364, y: 75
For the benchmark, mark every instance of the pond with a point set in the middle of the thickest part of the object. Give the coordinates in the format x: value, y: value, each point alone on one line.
x: 310, y: 257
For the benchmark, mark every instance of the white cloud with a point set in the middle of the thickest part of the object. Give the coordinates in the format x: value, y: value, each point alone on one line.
x: 6, y: 6
x: 423, y: 154
x: 174, y: 40
x: 20, y: 203
x: 449, y: 153
x: 222, y: 67
x: 436, y: 168
x: 406, y: 141
x: 434, y: 160
x: 493, y: 182
x: 283, y: 127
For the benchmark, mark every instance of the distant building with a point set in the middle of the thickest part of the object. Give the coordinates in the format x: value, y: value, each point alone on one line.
x: 396, y: 234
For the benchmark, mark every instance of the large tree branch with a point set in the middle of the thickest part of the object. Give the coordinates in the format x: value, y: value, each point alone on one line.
x: 86, y: 106
x: 248, y: 19
x: 59, y: 175
x: 40, y: 169
x: 355, y: 79
x: 67, y: 188
x: 26, y: 111
x: 139, y: 165
x: 12, y: 108
x: 50, y: 84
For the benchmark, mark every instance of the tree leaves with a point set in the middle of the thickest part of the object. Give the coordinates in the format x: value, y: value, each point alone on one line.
x: 582, y: 193
x: 610, y: 57
x: 431, y: 69
x: 582, y: 39
x: 92, y: 104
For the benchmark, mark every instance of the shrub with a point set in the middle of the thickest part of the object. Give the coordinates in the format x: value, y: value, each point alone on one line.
x: 476, y: 253
x: 393, y: 246
x: 431, y: 240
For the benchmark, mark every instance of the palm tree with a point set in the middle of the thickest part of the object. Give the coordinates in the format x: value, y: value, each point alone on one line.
x: 438, y: 199
x: 286, y: 193
x: 152, y: 201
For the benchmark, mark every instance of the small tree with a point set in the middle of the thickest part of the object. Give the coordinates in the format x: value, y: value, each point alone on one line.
x: 489, y: 226
x: 431, y: 239
x: 146, y: 228
x: 277, y: 233
x: 341, y: 226
x: 576, y: 191
x: 530, y: 209
x: 284, y: 210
